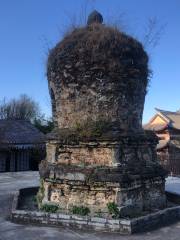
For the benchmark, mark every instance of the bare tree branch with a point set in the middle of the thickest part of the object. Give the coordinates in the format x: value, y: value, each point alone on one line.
x: 23, y: 108
x: 153, y: 33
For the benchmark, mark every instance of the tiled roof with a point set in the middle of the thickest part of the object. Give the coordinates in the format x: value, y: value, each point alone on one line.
x: 162, y: 144
x: 154, y: 127
x: 19, y: 132
x: 173, y: 117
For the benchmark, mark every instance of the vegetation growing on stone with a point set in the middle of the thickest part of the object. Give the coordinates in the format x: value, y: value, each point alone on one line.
x: 99, y: 213
x: 50, y: 208
x: 91, y: 128
x: 80, y: 210
x: 113, y: 209
x: 116, y: 54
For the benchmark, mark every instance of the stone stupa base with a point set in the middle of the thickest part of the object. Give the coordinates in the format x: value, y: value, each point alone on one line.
x: 76, y: 189
x: 95, y: 173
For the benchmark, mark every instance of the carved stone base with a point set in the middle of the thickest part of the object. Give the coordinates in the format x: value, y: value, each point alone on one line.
x: 93, y: 173
x: 95, y: 188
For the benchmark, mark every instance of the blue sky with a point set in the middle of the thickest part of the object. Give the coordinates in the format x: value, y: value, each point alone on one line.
x: 29, y: 27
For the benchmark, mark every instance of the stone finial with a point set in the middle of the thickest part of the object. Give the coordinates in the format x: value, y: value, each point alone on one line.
x: 94, y: 17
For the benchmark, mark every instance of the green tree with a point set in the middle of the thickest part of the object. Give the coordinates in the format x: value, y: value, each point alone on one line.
x: 44, y: 125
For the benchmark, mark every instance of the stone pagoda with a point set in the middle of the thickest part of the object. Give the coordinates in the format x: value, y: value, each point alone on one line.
x: 98, y: 152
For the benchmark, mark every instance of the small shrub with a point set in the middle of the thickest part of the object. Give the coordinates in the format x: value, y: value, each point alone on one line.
x: 99, y: 213
x: 91, y: 128
x: 34, y: 199
x: 83, y: 211
x: 113, y: 209
x: 49, y: 208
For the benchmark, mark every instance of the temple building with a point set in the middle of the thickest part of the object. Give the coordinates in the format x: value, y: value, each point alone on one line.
x: 98, y: 153
x: 21, y: 146
x: 166, y: 125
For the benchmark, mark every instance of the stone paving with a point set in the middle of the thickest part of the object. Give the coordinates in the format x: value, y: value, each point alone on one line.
x: 10, y: 182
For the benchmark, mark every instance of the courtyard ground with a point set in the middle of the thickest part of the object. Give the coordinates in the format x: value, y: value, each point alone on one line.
x: 173, y: 185
x: 10, y: 182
